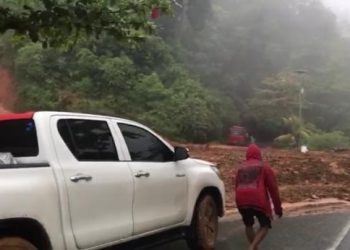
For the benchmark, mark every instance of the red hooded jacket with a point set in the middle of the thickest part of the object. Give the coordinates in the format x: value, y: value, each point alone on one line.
x: 256, y: 183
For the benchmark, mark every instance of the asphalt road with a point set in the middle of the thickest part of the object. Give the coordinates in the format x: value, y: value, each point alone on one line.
x: 311, y: 232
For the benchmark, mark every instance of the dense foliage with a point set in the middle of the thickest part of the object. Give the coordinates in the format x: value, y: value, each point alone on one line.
x: 332, y: 140
x: 260, y: 54
x: 211, y: 65
x: 143, y: 83
x: 57, y: 22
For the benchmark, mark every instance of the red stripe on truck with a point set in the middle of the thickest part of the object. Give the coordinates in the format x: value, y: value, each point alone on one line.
x: 16, y: 116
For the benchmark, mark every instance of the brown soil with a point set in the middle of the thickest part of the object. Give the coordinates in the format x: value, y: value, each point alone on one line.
x: 7, y: 90
x: 301, y: 177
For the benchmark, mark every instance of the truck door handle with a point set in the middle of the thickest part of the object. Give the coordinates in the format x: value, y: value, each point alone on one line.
x: 142, y: 174
x: 80, y: 177
x: 180, y: 175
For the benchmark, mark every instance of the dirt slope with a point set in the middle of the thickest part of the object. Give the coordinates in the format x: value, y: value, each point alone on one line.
x: 301, y: 177
x: 7, y: 90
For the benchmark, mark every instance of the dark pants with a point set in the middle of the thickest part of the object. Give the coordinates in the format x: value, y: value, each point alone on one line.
x: 248, y: 215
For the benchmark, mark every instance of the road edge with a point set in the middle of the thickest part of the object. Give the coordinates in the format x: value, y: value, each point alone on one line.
x: 320, y: 206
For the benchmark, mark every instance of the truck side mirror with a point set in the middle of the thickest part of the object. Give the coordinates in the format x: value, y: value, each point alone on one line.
x: 181, y: 153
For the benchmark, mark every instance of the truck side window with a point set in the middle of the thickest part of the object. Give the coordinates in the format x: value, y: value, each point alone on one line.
x: 144, y: 146
x: 19, y: 138
x: 88, y: 140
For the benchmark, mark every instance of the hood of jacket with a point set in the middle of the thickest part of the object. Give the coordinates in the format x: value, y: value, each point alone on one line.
x: 253, y: 153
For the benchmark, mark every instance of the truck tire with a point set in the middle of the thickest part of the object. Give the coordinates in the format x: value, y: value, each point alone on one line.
x: 203, y: 231
x: 15, y: 243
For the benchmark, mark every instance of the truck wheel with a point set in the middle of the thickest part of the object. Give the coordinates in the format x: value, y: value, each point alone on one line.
x: 203, y: 231
x: 16, y: 243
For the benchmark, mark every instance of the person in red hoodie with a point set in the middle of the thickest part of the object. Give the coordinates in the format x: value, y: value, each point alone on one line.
x: 255, y: 187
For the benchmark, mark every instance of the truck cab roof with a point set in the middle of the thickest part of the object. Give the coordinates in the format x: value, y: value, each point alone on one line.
x: 32, y: 114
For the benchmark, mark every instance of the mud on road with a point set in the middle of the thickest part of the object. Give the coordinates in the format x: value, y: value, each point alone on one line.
x: 301, y: 177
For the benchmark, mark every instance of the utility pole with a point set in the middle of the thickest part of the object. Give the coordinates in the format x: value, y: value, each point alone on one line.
x: 301, y: 95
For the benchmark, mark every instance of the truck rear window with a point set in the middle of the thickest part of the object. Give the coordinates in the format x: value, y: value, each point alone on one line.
x: 19, y: 137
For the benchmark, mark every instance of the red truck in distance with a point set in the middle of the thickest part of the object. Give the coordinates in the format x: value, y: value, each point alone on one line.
x: 238, y: 136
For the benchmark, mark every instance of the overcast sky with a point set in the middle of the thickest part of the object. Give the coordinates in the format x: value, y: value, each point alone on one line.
x: 341, y: 7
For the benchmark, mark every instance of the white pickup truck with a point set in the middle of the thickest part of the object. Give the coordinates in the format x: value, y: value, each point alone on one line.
x: 80, y: 181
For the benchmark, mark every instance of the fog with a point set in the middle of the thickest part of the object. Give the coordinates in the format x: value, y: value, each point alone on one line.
x: 340, y: 7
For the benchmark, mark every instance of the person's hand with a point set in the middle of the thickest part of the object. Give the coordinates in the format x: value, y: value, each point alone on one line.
x: 279, y: 212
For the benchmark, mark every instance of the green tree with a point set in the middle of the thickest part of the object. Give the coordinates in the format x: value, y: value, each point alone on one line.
x: 147, y: 85
x: 297, y: 134
x: 57, y: 22
x: 277, y: 97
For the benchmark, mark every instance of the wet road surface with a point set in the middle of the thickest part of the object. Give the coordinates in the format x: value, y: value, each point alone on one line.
x: 310, y: 232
